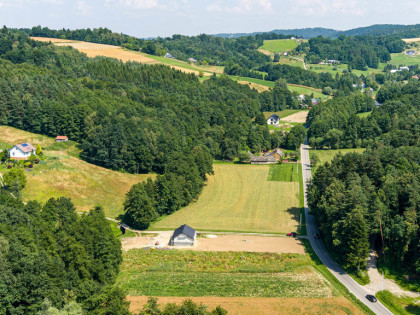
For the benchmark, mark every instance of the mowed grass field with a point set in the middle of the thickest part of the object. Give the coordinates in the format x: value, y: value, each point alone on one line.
x: 279, y: 45
x: 63, y: 174
x: 240, y: 198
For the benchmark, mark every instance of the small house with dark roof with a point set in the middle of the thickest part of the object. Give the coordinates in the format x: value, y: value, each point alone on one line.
x: 61, y: 138
x: 183, y: 236
x: 273, y: 120
x: 410, y: 52
x: 22, y: 151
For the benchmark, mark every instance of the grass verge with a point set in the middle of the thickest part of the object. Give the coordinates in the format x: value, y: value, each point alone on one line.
x: 399, y: 305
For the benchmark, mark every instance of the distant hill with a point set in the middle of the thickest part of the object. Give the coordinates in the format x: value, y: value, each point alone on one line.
x: 402, y: 31
x: 302, y: 32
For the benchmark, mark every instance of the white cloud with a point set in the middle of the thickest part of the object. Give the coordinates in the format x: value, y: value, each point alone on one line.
x: 83, y: 8
x: 241, y: 6
x: 140, y: 4
x: 324, y: 7
x: 53, y: 1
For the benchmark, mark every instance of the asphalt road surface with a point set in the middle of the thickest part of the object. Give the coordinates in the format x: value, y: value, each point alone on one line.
x: 319, y: 248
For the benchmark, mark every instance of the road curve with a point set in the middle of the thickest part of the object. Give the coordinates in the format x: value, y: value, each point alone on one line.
x: 319, y: 248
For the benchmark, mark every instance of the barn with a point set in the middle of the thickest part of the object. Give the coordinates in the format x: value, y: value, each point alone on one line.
x: 61, y: 138
x: 22, y: 151
x: 183, y: 236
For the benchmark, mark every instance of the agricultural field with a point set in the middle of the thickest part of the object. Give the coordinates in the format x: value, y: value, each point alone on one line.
x: 261, y: 306
x: 223, y: 274
x: 279, y: 45
x: 403, y: 59
x: 240, y: 198
x: 364, y: 115
x: 284, y: 173
x: 301, y: 89
x: 328, y: 155
x: 63, y: 174
x: 338, y: 68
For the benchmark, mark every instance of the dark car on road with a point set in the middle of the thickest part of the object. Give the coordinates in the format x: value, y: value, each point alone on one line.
x: 293, y: 234
x: 316, y: 235
x: 371, y: 298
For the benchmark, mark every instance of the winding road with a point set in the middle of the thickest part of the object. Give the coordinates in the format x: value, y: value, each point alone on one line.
x: 319, y: 248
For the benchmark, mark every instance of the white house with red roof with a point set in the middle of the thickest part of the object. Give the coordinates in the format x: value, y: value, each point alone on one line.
x: 22, y: 151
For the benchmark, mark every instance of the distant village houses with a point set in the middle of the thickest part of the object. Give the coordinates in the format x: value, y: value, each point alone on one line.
x: 22, y: 151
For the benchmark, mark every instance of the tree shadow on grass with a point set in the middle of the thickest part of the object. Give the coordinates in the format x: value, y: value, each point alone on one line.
x: 295, y: 212
x: 413, y: 309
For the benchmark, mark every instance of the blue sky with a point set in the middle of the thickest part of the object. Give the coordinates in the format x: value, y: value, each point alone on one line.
x: 147, y: 18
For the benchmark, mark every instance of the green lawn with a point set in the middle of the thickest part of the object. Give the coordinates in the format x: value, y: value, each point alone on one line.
x: 281, y: 114
x: 340, y: 67
x: 327, y: 155
x: 399, y: 305
x: 284, y: 172
x: 306, y: 90
x: 403, y: 59
x: 280, y: 45
x: 117, y: 231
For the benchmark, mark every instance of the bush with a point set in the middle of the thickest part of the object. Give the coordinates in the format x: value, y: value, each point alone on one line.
x: 9, y: 166
x: 36, y: 161
x: 30, y: 165
x: 15, y: 179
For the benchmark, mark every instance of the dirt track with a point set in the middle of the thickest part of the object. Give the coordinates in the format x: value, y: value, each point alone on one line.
x: 223, y: 243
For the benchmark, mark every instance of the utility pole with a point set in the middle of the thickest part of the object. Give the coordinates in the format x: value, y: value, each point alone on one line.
x: 382, y: 235
x: 383, y: 276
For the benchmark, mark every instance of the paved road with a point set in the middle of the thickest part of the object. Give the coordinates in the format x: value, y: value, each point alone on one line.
x: 318, y: 246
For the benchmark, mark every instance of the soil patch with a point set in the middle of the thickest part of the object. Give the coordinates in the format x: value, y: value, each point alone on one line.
x: 299, y: 117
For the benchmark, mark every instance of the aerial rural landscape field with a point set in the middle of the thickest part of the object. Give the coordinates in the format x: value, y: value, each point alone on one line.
x: 168, y: 157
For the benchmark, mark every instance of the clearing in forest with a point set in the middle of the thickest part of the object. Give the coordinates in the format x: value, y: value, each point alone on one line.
x: 279, y: 45
x: 326, y: 155
x: 299, y: 117
x: 63, y: 174
x: 240, y: 198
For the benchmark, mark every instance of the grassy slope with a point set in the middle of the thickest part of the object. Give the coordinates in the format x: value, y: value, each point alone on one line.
x: 63, y: 174
x: 280, y: 45
x: 239, y: 198
x: 328, y: 155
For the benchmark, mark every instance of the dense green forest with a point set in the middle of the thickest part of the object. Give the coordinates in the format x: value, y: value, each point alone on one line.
x: 134, y: 117
x: 52, y: 258
x: 380, y: 188
x: 358, y: 52
x: 335, y: 124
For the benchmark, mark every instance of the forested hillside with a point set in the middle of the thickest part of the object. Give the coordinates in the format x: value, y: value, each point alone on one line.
x: 358, y: 52
x: 372, y: 196
x: 335, y: 124
x: 53, y: 259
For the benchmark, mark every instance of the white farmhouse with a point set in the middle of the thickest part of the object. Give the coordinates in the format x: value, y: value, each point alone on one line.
x: 183, y: 236
x: 273, y: 120
x: 22, y: 151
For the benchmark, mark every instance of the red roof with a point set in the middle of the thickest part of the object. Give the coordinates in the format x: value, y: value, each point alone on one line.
x: 61, y: 138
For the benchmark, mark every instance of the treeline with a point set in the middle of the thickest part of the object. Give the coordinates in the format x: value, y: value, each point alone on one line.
x: 400, y: 31
x: 374, y: 196
x: 53, y: 259
x: 358, y: 52
x: 342, y: 84
x: 96, y: 35
x: 335, y: 124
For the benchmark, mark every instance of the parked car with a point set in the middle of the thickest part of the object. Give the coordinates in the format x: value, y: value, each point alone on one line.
x: 293, y: 234
x: 316, y: 235
x: 371, y: 298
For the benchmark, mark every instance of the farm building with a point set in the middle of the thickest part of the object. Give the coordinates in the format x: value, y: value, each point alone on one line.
x: 183, y: 236
x: 263, y: 160
x: 192, y: 60
x: 315, y: 101
x: 22, y: 151
x: 273, y: 120
x: 61, y: 138
x: 410, y: 52
x: 168, y: 55
x: 277, y: 153
x: 377, y: 104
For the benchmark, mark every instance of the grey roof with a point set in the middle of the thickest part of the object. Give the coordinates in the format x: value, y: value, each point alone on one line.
x: 377, y: 103
x: 276, y: 117
x: 266, y: 158
x: 279, y: 151
x: 184, y: 229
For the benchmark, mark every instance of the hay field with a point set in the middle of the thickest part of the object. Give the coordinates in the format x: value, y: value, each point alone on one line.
x: 411, y: 40
x: 261, y: 306
x: 93, y: 50
x: 239, y: 198
x: 299, y: 117
x: 63, y: 174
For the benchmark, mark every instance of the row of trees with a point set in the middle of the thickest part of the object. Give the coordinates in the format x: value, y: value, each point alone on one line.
x: 52, y: 258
